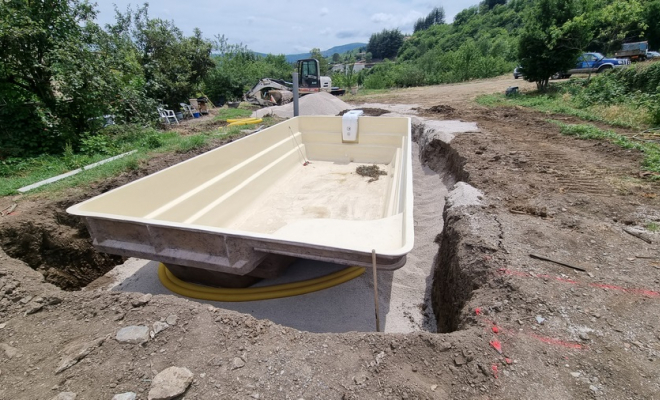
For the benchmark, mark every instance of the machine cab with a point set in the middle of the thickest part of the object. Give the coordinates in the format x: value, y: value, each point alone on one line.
x: 309, y: 76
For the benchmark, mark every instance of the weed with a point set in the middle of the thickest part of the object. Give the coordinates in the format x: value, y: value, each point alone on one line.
x: 652, y: 226
x: 229, y: 113
x: 192, y: 142
x: 651, y: 151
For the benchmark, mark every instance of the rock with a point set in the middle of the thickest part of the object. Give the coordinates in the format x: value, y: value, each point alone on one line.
x: 77, y: 353
x: 10, y: 352
x: 575, y: 374
x: 170, y: 383
x: 593, y: 388
x: 25, y: 299
x: 460, y: 360
x: 237, y: 363
x: 133, y: 334
x: 433, y: 387
x: 583, y: 336
x: 34, y: 309
x: 125, y: 396
x: 65, y: 396
x: 139, y: 302
x: 158, y: 327
x: 2, y: 326
x: 171, y: 319
x: 215, y: 361
x: 540, y: 319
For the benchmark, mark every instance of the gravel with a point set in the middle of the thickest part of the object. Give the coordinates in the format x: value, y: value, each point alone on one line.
x: 313, y: 104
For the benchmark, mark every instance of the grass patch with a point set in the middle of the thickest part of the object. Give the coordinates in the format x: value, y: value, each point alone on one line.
x: 621, y: 115
x: 229, y: 113
x: 651, y: 151
x: 652, y: 226
x: 18, y: 172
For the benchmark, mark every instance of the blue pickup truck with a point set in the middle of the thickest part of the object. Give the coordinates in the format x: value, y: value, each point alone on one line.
x: 592, y: 62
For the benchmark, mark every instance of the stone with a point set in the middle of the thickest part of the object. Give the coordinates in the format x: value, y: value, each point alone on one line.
x: 2, y: 326
x: 171, y: 319
x: 65, y: 396
x: 10, y: 352
x: 133, y: 334
x: 125, y: 396
x: 158, y: 327
x: 34, y: 309
x: 141, y: 301
x: 575, y: 374
x: 215, y: 361
x: 237, y: 363
x: 170, y: 383
x: 460, y: 360
x: 593, y: 388
x: 77, y: 353
x: 583, y: 336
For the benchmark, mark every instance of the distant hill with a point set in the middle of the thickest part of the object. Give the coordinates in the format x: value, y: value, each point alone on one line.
x: 326, y: 53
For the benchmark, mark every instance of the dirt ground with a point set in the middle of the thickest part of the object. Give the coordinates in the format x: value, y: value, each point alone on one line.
x: 512, y: 326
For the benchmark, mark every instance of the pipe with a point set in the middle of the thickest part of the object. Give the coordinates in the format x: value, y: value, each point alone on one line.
x: 296, y: 105
x: 200, y: 292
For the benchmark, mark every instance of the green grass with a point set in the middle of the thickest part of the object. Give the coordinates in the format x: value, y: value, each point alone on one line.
x: 652, y: 226
x: 621, y: 115
x: 651, y: 151
x: 229, y: 113
x: 18, y: 172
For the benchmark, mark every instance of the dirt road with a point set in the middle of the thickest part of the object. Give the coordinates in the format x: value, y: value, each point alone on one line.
x: 515, y: 326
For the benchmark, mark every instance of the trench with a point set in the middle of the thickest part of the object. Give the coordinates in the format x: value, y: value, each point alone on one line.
x: 58, y: 245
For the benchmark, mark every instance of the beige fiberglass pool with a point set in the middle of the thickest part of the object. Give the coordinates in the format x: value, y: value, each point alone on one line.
x: 228, y: 210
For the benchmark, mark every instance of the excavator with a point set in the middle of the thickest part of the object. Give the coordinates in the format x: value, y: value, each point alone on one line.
x: 269, y: 92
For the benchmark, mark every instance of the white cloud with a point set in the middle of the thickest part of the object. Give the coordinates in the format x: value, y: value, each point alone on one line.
x: 325, y: 31
x: 403, y: 22
x: 324, y: 11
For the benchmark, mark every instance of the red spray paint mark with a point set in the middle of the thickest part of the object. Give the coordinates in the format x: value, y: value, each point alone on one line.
x: 496, y: 329
x: 496, y: 345
x: 494, y: 368
x: 558, y: 342
x: 477, y: 311
x: 508, y: 360
x: 637, y: 291
x: 643, y: 292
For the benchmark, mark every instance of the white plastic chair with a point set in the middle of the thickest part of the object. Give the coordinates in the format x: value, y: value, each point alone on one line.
x: 166, y: 116
x: 187, y: 109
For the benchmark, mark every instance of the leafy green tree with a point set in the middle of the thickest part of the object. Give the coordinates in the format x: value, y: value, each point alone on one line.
x: 553, y: 37
x: 385, y: 44
x: 53, y: 81
x: 492, y: 3
x: 323, y: 62
x: 368, y: 57
x: 173, y: 64
x: 336, y: 58
x: 435, y: 17
x: 652, y: 19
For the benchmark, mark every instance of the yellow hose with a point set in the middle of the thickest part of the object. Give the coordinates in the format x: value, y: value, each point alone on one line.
x: 187, y: 289
x: 247, y: 121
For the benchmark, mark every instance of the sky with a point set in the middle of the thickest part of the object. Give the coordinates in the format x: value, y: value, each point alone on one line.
x: 288, y: 26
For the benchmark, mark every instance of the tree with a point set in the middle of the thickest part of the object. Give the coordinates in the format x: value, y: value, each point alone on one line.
x: 336, y: 58
x: 368, y: 57
x: 435, y: 17
x: 553, y: 37
x: 652, y: 18
x: 323, y: 62
x: 52, y: 79
x: 492, y: 3
x: 385, y: 44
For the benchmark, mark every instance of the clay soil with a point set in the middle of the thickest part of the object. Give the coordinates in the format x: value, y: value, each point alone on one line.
x: 512, y: 326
